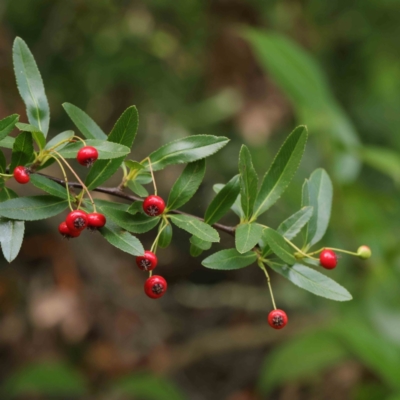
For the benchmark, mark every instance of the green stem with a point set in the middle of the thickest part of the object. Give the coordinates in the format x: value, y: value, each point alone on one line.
x: 300, y: 251
x: 333, y: 249
x: 262, y: 266
x: 155, y: 243
x: 66, y: 182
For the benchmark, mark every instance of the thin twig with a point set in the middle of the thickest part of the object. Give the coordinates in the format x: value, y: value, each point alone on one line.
x: 116, y: 192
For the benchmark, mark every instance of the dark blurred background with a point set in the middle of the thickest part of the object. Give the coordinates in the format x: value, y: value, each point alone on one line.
x: 74, y: 322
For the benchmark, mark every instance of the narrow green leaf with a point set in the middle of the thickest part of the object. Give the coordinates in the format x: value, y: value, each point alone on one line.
x: 7, y: 194
x: 30, y: 86
x: 107, y: 150
x: 248, y: 181
x: 247, y: 236
x: 61, y: 137
x: 32, y: 208
x: 293, y: 225
x: 282, y: 170
x: 237, y: 205
x: 279, y: 246
x: 125, y: 129
x: 84, y: 123
x: 49, y: 186
x: 195, y: 227
x: 138, y: 188
x: 189, y: 149
x: 11, y: 237
x: 136, y: 206
x: 201, y: 244
x: 229, y: 259
x: 138, y: 223
x: 22, y: 150
x: 223, y: 201
x: 104, y: 203
x: 3, y: 162
x: 7, y: 142
x: 144, y: 177
x: 7, y: 124
x: 165, y: 237
x: 38, y: 136
x: 133, y: 165
x: 122, y: 240
x: 313, y: 281
x: 320, y: 197
x: 195, y: 251
x: 101, y: 171
x: 187, y: 184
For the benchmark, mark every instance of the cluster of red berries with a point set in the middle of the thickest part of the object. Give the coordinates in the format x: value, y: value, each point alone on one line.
x: 156, y: 285
x: 78, y: 220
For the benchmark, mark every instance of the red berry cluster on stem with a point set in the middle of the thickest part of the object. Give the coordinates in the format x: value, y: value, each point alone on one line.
x: 78, y: 220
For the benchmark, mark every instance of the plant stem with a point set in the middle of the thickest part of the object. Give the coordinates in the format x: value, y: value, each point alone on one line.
x: 262, y: 266
x: 333, y: 249
x: 66, y: 182
x: 301, y: 252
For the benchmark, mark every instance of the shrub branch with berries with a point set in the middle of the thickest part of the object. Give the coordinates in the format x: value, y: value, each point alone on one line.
x: 268, y: 248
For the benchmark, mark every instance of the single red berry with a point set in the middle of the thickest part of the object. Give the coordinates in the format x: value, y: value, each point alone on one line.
x: 66, y: 232
x: 76, y: 220
x: 87, y: 156
x: 95, y: 221
x: 328, y: 259
x: 147, y: 262
x: 155, y: 286
x: 153, y: 205
x: 21, y: 174
x: 277, y: 319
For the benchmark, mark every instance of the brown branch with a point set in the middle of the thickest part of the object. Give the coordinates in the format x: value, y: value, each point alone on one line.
x: 117, y: 192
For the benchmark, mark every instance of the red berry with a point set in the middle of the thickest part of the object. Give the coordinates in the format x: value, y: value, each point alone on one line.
x: 66, y: 232
x: 147, y: 262
x: 153, y: 205
x: 21, y: 174
x: 95, y: 221
x: 87, y: 156
x: 277, y: 319
x: 155, y: 286
x: 328, y: 259
x: 76, y: 220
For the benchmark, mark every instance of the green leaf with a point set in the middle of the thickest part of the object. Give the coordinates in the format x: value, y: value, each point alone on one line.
x: 195, y: 251
x: 3, y: 162
x: 61, y: 137
x: 187, y: 184
x: 49, y: 186
x: 138, y: 188
x: 223, y: 201
x: 293, y: 225
x: 247, y: 236
x: 7, y: 124
x: 237, y: 205
x: 136, y: 206
x: 7, y: 142
x: 144, y: 177
x: 147, y: 387
x: 279, y: 246
x: 165, y: 236
x: 7, y: 194
x: 22, y: 150
x: 249, y: 182
x: 229, y: 259
x: 101, y: 171
x: 201, y: 244
x: 125, y: 129
x: 133, y: 165
x: 104, y: 203
x: 38, y: 136
x: 11, y: 237
x: 30, y: 86
x: 282, y: 170
x: 122, y: 240
x: 186, y: 150
x: 138, y: 223
x: 313, y: 281
x: 320, y: 198
x: 195, y: 227
x: 45, y: 379
x: 84, y: 123
x: 32, y: 208
x: 317, y: 351
x: 107, y: 150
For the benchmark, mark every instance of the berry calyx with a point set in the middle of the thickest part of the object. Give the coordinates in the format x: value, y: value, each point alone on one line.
x: 364, y: 252
x: 76, y: 220
x: 147, y: 262
x: 87, y: 156
x: 328, y: 259
x: 277, y: 319
x: 153, y: 205
x: 21, y: 174
x: 155, y: 286
x: 95, y: 221
x: 66, y: 232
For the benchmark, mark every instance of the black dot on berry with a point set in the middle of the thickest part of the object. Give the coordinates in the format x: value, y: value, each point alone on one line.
x: 157, y: 288
x: 153, y: 210
x: 277, y: 320
x: 145, y: 264
x: 79, y: 223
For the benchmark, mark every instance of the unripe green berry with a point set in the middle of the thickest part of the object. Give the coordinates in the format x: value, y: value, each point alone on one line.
x: 364, y: 252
